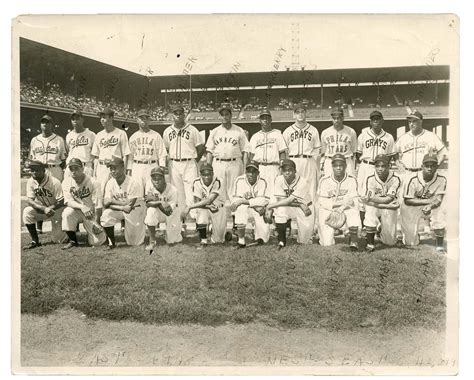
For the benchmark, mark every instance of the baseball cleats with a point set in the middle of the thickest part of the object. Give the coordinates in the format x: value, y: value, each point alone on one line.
x: 370, y: 248
x: 281, y: 245
x: 70, y: 245
x: 353, y: 246
x: 440, y: 250
x: 151, y: 246
x: 109, y: 247
x: 32, y: 245
x: 241, y: 246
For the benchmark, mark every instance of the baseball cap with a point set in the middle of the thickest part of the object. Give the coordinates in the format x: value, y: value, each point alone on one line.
x: 225, y: 107
x: 76, y: 112
x: 115, y: 161
x: 252, y: 164
x: 299, y: 106
x: 106, y: 111
x: 143, y: 112
x: 75, y: 162
x: 338, y: 157
x: 287, y: 162
x: 382, y: 158
x: 47, y: 117
x: 415, y: 115
x: 265, y: 112
x: 206, y: 167
x: 177, y: 107
x: 337, y: 111
x: 157, y: 171
x: 375, y: 113
x: 430, y: 158
x: 35, y: 163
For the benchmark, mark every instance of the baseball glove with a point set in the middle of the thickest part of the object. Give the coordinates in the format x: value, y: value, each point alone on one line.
x: 336, y: 219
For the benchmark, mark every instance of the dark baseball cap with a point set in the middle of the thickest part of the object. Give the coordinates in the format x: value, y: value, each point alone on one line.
x: 76, y: 112
x: 382, y: 158
x: 177, y: 107
x: 299, y: 106
x: 375, y: 113
x: 115, y: 161
x: 106, y: 111
x: 252, y: 164
x: 47, y: 117
x: 75, y: 162
x: 338, y: 157
x: 157, y: 171
x: 143, y: 112
x: 35, y: 163
x: 265, y: 112
x: 430, y: 158
x: 206, y: 167
x: 287, y: 162
x: 337, y: 111
x: 225, y: 107
x: 415, y: 115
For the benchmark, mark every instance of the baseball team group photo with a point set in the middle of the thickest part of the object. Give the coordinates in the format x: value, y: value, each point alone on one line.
x: 280, y: 195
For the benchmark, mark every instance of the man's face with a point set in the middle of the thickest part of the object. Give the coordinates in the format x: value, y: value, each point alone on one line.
x: 266, y: 122
x: 77, y: 121
x: 207, y: 176
x: 376, y: 123
x: 300, y: 114
x: 429, y: 168
x: 116, y: 171
x: 106, y: 120
x: 46, y: 127
x: 252, y: 175
x: 337, y: 120
x: 226, y: 116
x: 178, y: 116
x: 143, y: 121
x: 381, y: 168
x: 158, y: 181
x: 416, y: 125
x: 339, y: 168
x: 76, y: 171
x: 37, y: 172
x: 289, y: 173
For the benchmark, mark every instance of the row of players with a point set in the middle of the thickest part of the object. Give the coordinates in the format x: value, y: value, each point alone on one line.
x: 75, y: 200
x: 228, y: 149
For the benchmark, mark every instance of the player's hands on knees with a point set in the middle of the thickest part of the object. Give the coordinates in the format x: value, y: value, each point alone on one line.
x: 127, y: 209
x: 185, y: 212
x: 426, y: 210
x: 306, y: 210
x: 49, y: 211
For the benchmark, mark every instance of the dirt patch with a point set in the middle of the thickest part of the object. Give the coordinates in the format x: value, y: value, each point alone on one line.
x: 67, y: 338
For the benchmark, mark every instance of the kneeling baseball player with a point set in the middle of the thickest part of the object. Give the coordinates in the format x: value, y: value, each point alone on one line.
x: 337, y: 193
x: 123, y: 200
x: 45, y: 201
x: 249, y: 199
x: 423, y: 196
x: 381, y: 191
x: 209, y: 204
x: 291, y: 199
x: 161, y: 200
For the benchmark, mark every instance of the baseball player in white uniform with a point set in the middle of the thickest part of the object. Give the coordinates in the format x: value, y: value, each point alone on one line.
x: 227, y: 148
x: 268, y: 148
x: 80, y: 198
x: 250, y: 196
x: 123, y: 200
x: 338, y: 138
x: 79, y: 144
x: 45, y: 201
x: 161, y: 200
x: 147, y: 150
x: 380, y: 194
x: 424, y: 196
x: 291, y: 200
x: 111, y: 142
x: 209, y: 202
x: 338, y: 191
x: 185, y: 148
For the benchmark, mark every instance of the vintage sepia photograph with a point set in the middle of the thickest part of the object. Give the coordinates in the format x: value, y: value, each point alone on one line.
x: 235, y: 194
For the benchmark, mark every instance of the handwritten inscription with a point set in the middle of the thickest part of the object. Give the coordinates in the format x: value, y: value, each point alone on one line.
x: 421, y: 282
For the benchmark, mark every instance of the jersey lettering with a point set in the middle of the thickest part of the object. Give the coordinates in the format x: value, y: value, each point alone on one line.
x: 81, y: 193
x: 42, y: 192
x: 80, y: 141
x: 105, y: 143
x: 375, y: 143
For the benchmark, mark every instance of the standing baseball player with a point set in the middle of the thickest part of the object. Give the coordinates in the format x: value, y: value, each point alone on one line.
x: 185, y: 148
x: 268, y: 148
x: 380, y: 194
x: 250, y: 196
x: 79, y: 143
x: 45, y: 201
x: 209, y: 204
x: 161, y: 200
x: 338, y: 192
x: 338, y: 139
x: 123, y: 200
x: 147, y: 150
x: 372, y: 142
x: 291, y: 200
x: 423, y: 196
x: 80, y: 198
x: 111, y: 142
x: 227, y: 148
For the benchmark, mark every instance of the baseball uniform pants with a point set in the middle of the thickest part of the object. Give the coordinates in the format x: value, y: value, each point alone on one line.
x: 411, y: 217
x: 388, y: 220
x: 326, y: 233
x: 71, y: 218
x: 228, y: 171
x: 141, y: 172
x: 218, y: 220
x: 154, y: 216
x: 362, y: 173
x: 135, y: 229
x: 31, y: 216
x: 269, y: 174
x: 304, y: 223
x: 262, y: 229
x: 182, y: 176
x: 102, y: 175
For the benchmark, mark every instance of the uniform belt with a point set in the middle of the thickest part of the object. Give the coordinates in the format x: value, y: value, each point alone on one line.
x: 268, y: 163
x: 52, y: 165
x: 182, y: 159
x: 144, y: 161
x: 368, y: 162
x: 226, y: 159
x: 301, y: 156
x: 103, y: 162
x: 413, y: 169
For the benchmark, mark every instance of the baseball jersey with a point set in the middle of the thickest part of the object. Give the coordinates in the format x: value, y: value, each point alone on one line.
x: 302, y: 141
x: 375, y: 186
x: 109, y: 144
x: 370, y: 144
x: 83, y: 193
x: 298, y: 190
x: 169, y: 194
x: 227, y: 143
x: 123, y: 193
x: 333, y: 193
x: 147, y: 146
x: 266, y: 146
x: 49, y: 192
x: 79, y: 145
x: 334, y: 141
x: 201, y: 191
x: 416, y: 186
x: 181, y: 143
x: 48, y: 150
x: 256, y: 194
x: 412, y: 149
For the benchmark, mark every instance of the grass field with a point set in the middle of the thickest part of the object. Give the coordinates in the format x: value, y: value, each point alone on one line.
x: 299, y: 286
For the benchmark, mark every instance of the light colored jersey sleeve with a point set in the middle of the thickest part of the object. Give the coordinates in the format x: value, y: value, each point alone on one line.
x: 124, y: 146
x: 323, y: 142
x: 173, y: 201
x: 30, y: 191
x: 108, y: 194
x: 198, y: 139
x: 353, y: 188
x: 390, y: 145
x: 160, y: 150
x: 394, y: 188
x: 58, y: 191
x: 243, y: 142
x: 210, y: 146
x: 316, y: 145
x: 62, y: 149
x: 411, y: 188
x: 216, y: 187
x: 66, y: 186
x: 281, y: 143
x: 360, y: 143
x: 196, y: 188
x: 301, y: 190
x: 95, y: 148
x: 354, y: 142
x: 135, y: 190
